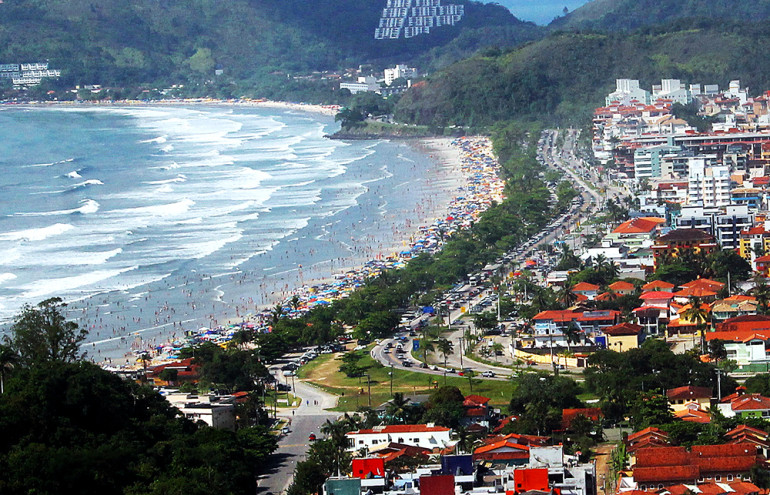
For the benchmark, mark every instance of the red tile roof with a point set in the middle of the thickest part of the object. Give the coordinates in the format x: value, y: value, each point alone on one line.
x: 650, y: 430
x: 695, y: 292
x: 687, y: 235
x: 569, y: 415
x: 721, y: 451
x: 643, y: 225
x: 623, y: 329
x: 475, y: 400
x: 655, y: 295
x: 507, y: 443
x: 621, y: 286
x: 657, y: 285
x: 688, y: 392
x: 662, y: 456
x: 693, y: 416
x: 557, y: 315
x: 746, y: 430
x: 704, y: 283
x: 739, y: 335
x: 745, y: 322
x: 751, y: 402
x: 585, y: 287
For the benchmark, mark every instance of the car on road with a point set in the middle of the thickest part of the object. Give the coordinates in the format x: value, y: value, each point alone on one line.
x: 285, y: 430
x: 435, y: 368
x: 312, y: 437
x: 488, y: 374
x: 386, y: 351
x: 406, y: 364
x: 451, y: 370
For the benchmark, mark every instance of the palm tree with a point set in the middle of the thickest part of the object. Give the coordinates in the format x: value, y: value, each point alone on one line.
x: 144, y: 358
x: 566, y: 296
x: 497, y: 348
x: 762, y: 292
x: 698, y: 315
x: 396, y: 408
x: 276, y: 313
x: 445, y: 347
x: 295, y: 302
x: 336, y: 433
x: 465, y: 440
x: 427, y: 347
x: 8, y: 358
x: 572, y: 333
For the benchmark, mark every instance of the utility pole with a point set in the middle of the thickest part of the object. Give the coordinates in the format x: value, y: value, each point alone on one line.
x: 461, y: 352
x: 392, y: 376
x: 369, y: 386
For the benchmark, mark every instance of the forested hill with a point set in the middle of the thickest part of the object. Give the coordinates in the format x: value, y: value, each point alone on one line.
x: 631, y: 14
x: 563, y: 77
x: 141, y: 41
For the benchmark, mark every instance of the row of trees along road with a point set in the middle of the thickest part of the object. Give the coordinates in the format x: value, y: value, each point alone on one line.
x: 67, y: 426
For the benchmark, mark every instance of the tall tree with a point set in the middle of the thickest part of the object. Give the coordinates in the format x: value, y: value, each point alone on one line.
x: 41, y: 334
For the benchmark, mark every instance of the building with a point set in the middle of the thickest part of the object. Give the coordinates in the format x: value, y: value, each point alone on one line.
x: 216, y: 411
x: 677, y: 241
x: 679, y: 398
x: 627, y: 91
x: 638, y: 232
x: 726, y: 224
x: 400, y: 71
x: 746, y: 406
x: 620, y: 337
x: 708, y: 185
x: 362, y: 85
x: 657, y: 468
x: 427, y: 436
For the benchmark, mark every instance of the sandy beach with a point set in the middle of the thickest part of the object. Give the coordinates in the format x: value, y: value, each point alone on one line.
x: 461, y: 185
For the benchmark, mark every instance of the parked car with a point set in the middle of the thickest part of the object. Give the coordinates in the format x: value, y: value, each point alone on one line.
x: 406, y: 364
x: 285, y: 430
x: 488, y: 374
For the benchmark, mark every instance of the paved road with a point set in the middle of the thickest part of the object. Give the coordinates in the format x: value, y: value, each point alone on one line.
x: 305, y: 419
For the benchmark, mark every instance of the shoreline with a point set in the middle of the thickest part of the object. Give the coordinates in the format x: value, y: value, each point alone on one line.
x: 455, y: 172
x: 327, y: 110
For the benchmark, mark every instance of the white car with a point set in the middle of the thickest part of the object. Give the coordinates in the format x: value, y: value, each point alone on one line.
x: 488, y: 374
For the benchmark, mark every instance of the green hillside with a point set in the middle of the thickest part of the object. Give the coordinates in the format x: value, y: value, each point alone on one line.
x: 631, y: 14
x: 114, y: 42
x: 563, y: 77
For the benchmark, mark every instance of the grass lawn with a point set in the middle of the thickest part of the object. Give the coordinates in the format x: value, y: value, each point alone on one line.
x: 323, y: 372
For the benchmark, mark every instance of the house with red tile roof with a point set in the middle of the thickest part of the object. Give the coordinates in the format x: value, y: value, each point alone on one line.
x: 733, y: 306
x: 508, y: 449
x: 661, y: 467
x: 655, y: 310
x: 590, y: 291
x: 679, y: 241
x: 648, y: 437
x: 620, y: 337
x: 622, y: 288
x: 746, y: 406
x: 746, y: 435
x: 186, y: 371
x: 679, y: 398
x: 747, y: 339
x: 712, y: 488
x: 693, y: 414
x: 658, y: 285
x: 704, y: 283
x: 569, y: 415
x: 638, y: 232
x: 477, y: 410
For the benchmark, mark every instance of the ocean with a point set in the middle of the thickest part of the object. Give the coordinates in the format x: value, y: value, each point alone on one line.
x: 152, y: 220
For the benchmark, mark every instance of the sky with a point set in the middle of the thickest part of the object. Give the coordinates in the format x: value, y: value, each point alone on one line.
x: 538, y: 11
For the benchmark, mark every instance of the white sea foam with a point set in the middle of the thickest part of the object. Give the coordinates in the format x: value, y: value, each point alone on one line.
x: 7, y: 277
x: 89, y: 182
x: 88, y: 206
x: 178, y: 178
x: 83, y: 281
x: 37, y: 234
x: 74, y: 175
x: 157, y: 140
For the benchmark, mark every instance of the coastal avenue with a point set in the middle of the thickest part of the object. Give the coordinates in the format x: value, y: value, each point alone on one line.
x: 308, y: 418
x: 566, y: 161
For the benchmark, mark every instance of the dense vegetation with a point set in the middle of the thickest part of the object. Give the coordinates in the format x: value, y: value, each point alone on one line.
x: 630, y: 14
x: 564, y: 77
x: 258, y: 43
x: 67, y: 426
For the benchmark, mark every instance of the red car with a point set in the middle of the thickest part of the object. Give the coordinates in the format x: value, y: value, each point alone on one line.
x: 312, y: 437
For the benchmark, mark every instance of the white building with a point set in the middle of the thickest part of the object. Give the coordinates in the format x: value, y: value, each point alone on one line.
x: 427, y: 436
x: 364, y: 84
x: 707, y: 186
x: 672, y: 89
x: 399, y: 71
x: 216, y: 411
x: 724, y: 223
x: 626, y: 91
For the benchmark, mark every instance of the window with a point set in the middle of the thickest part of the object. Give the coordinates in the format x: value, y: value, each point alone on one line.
x: 729, y: 477
x: 717, y: 478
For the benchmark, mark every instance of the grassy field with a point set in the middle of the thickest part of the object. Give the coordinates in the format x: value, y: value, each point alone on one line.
x: 323, y: 372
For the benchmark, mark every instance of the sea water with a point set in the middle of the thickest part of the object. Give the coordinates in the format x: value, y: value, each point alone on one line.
x: 151, y: 220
